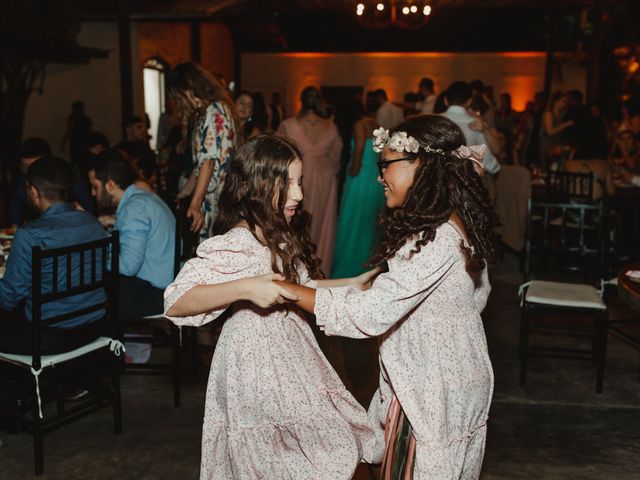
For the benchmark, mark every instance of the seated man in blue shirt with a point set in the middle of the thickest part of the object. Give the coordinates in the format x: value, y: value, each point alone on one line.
x: 48, y: 189
x: 147, y: 236
x: 20, y: 210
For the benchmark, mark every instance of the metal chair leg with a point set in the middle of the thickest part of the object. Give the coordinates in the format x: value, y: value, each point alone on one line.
x: 524, y: 344
x: 116, y: 400
x: 194, y: 350
x: 38, y: 444
x: 603, y: 324
x: 175, y: 347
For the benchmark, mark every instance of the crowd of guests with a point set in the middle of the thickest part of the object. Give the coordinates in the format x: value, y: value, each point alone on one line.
x: 135, y: 189
x: 205, y: 123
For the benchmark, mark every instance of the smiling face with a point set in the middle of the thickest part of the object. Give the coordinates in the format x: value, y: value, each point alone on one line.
x: 396, y: 178
x: 294, y: 189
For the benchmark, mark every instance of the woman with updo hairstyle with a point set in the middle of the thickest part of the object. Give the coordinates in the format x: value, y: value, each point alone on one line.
x: 317, y: 138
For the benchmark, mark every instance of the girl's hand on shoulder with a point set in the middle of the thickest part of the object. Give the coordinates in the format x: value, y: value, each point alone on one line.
x: 264, y: 293
x: 365, y: 280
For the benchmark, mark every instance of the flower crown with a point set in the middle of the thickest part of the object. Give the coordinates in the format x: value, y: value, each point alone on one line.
x: 401, y: 142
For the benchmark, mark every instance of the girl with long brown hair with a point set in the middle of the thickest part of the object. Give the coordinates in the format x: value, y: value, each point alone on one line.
x: 275, y: 407
x: 436, y: 380
x: 203, y: 107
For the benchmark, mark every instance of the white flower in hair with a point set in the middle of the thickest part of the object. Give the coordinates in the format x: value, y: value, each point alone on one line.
x: 475, y: 153
x: 412, y: 145
x: 381, y: 136
x: 398, y: 141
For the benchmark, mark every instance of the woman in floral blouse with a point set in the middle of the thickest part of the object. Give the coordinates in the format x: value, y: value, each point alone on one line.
x: 199, y: 97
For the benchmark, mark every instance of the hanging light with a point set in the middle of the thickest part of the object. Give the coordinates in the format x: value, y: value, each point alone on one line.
x: 398, y: 13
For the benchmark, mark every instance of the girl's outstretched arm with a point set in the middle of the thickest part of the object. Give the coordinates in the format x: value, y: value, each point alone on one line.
x: 307, y: 296
x: 260, y: 290
x: 362, y: 281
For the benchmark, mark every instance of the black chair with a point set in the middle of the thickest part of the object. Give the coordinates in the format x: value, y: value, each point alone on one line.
x: 96, y: 273
x: 557, y: 249
x: 142, y: 330
x: 569, y: 187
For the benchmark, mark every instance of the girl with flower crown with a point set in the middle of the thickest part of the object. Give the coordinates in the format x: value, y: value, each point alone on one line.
x: 436, y: 380
x: 275, y: 408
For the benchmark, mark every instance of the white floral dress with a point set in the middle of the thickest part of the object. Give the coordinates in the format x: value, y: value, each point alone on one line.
x: 275, y: 408
x: 214, y: 138
x: 433, y: 352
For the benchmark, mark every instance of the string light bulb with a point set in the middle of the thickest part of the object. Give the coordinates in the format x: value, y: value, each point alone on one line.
x: 399, y: 13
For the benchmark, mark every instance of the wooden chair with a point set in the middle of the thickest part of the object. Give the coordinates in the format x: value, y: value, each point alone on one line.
x: 569, y: 187
x: 141, y: 331
x: 576, y: 249
x: 97, y: 272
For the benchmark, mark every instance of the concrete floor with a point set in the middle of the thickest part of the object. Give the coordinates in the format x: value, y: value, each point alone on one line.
x: 555, y: 428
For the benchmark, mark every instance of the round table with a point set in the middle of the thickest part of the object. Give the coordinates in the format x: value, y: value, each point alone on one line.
x: 628, y: 290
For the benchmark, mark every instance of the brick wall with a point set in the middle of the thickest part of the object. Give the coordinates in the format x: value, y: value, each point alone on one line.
x: 172, y: 42
x: 217, y: 49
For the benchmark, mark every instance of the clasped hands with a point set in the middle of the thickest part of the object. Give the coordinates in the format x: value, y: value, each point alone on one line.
x: 271, y: 289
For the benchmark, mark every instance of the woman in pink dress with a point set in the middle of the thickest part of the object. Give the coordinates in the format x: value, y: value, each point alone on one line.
x: 275, y: 408
x: 317, y: 138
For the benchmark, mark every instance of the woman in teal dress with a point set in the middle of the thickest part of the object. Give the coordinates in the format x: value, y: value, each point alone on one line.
x: 362, y: 199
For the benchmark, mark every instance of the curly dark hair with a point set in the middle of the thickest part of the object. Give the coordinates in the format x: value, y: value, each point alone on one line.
x: 258, y: 174
x: 443, y: 185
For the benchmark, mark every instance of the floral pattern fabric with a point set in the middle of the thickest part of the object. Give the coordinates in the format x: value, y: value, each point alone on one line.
x: 214, y: 138
x: 433, y: 351
x: 275, y: 408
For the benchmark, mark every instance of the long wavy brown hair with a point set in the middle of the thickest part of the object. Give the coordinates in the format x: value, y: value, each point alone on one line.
x: 443, y: 185
x: 191, y: 77
x: 257, y: 177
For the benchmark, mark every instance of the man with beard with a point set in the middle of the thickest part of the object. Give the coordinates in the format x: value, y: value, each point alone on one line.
x: 19, y: 209
x: 48, y: 188
x: 147, y: 236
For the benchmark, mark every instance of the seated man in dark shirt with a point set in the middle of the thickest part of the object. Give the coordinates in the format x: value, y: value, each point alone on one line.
x: 60, y: 224
x: 19, y: 209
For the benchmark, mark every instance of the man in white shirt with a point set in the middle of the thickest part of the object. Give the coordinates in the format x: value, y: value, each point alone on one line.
x: 425, y: 87
x: 388, y: 114
x: 458, y: 99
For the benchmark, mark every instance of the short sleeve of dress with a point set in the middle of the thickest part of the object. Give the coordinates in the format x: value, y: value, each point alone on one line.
x: 219, y: 259
x: 214, y: 137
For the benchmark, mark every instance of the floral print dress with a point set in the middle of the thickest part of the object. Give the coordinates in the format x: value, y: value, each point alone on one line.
x: 275, y: 407
x: 433, y: 354
x: 214, y: 138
